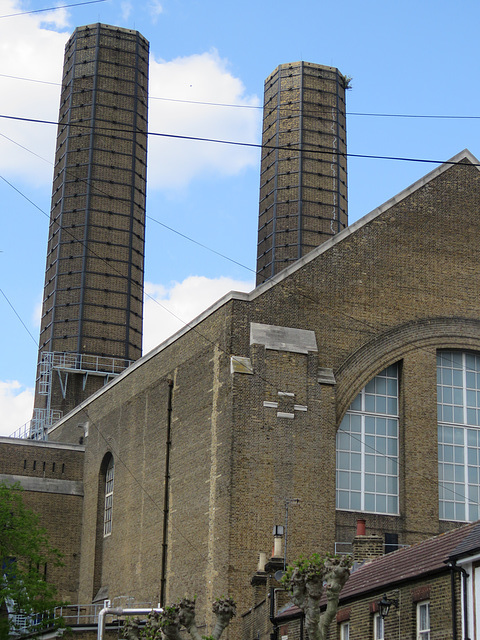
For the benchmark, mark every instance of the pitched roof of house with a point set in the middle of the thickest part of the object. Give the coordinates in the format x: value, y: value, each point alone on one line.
x: 422, y: 559
x: 469, y: 545
x: 426, y: 557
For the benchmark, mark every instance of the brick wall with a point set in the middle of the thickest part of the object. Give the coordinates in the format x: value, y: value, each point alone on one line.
x: 394, y: 288
x: 51, y: 477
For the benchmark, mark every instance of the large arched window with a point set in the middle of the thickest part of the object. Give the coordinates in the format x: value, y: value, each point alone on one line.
x: 367, y: 448
x: 458, y: 400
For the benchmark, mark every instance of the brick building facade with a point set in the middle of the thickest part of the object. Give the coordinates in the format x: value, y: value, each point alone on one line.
x: 249, y: 406
x: 51, y: 475
x: 335, y: 383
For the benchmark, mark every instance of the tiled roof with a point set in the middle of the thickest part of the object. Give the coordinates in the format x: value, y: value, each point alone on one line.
x: 469, y: 545
x: 421, y: 559
x: 426, y: 557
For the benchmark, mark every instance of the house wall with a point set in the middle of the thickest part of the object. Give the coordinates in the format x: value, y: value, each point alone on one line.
x: 401, y: 621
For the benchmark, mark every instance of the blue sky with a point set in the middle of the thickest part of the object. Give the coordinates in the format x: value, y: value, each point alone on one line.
x: 414, y: 58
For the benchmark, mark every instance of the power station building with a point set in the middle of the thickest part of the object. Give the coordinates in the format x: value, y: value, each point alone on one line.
x: 346, y: 385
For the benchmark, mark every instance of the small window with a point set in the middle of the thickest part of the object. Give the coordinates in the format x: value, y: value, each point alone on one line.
x: 423, y: 621
x: 345, y: 631
x: 378, y: 627
x: 107, y: 522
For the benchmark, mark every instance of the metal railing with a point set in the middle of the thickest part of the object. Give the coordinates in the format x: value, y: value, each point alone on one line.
x: 37, y: 428
x: 70, y: 615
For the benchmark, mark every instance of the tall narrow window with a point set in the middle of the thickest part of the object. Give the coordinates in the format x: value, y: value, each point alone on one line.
x: 458, y: 398
x: 367, y: 448
x: 107, y: 522
x: 423, y: 621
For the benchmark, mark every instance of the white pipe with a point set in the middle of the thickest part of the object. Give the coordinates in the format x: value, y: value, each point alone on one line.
x: 119, y: 612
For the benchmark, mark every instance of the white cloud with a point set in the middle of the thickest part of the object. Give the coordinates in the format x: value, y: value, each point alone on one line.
x: 198, y: 78
x: 16, y: 405
x: 29, y: 50
x: 127, y: 9
x: 155, y: 8
x: 169, y: 308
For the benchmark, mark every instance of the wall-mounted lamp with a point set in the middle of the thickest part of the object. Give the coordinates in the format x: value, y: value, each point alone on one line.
x: 384, y: 605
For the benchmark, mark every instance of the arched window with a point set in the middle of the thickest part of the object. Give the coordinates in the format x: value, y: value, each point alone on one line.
x: 367, y: 448
x: 458, y: 401
x: 107, y: 520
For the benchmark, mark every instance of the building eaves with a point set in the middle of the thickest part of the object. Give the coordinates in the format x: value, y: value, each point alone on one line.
x: 41, y: 444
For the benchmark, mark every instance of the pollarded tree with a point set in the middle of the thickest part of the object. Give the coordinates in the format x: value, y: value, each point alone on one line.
x: 306, y: 581
x: 167, y: 625
x: 24, y: 554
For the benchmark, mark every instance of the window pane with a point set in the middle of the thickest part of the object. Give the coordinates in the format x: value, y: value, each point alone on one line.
x: 381, y: 506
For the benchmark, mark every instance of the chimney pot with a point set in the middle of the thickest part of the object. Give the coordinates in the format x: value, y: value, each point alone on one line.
x: 361, y: 529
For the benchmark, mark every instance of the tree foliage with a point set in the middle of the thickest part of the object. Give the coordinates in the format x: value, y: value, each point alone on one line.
x: 306, y: 581
x: 25, y: 555
x: 167, y: 625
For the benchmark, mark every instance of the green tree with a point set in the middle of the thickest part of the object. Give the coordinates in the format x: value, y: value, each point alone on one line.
x: 25, y: 553
x: 306, y: 581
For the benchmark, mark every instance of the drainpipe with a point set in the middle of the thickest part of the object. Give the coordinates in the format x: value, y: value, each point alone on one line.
x: 168, y: 446
x: 118, y: 611
x: 274, y: 634
x: 274, y: 619
x: 455, y: 569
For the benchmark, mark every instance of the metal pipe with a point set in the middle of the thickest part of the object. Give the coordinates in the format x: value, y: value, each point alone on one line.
x: 453, y: 601
x: 119, y: 612
x: 274, y: 634
x: 168, y: 446
x: 455, y: 569
x: 465, y: 603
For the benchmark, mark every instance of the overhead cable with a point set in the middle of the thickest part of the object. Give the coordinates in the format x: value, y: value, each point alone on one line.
x: 253, y: 145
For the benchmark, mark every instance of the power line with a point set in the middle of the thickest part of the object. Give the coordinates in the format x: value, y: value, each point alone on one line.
x: 65, y: 6
x: 252, y: 145
x: 18, y: 316
x: 6, y: 75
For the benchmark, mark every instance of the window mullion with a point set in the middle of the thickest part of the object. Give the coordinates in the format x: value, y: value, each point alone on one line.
x: 465, y: 438
x: 362, y: 462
